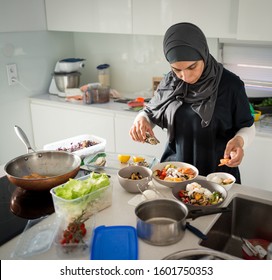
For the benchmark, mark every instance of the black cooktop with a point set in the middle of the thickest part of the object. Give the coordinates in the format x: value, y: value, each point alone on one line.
x: 17, y: 206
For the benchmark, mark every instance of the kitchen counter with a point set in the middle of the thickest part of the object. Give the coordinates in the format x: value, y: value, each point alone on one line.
x: 122, y: 213
x: 110, y: 107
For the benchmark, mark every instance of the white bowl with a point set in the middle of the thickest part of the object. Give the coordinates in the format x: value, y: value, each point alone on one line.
x: 177, y: 164
x: 218, y: 177
x: 131, y: 185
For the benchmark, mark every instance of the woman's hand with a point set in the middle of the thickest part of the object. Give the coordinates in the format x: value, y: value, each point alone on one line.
x: 139, y: 129
x: 234, y: 151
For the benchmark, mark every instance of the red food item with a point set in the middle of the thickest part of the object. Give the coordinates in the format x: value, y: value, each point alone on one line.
x: 78, y: 146
x: 135, y: 104
x: 255, y: 242
x: 140, y: 99
x: 74, y: 232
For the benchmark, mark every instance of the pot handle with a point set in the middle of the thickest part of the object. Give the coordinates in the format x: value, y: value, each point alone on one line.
x: 196, y: 231
x: 22, y: 136
x: 195, y: 213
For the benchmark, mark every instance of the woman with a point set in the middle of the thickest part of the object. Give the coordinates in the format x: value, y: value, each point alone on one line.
x: 202, y: 105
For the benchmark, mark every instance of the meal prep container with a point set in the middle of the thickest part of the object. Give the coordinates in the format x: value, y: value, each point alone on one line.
x: 266, y: 122
x: 90, y: 203
x: 112, y: 163
x: 96, y: 95
x: 76, y: 251
x: 36, y: 238
x: 69, y: 142
x: 114, y: 243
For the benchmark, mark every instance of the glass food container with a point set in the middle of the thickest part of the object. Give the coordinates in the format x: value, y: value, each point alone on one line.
x: 104, y: 75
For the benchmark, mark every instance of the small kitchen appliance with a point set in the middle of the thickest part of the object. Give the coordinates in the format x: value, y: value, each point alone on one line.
x: 66, y: 76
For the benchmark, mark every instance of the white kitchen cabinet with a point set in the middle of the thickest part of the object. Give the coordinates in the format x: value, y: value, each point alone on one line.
x: 256, y: 168
x: 54, y: 123
x: 18, y: 15
x: 254, y: 20
x: 217, y: 18
x: 100, y: 16
x: 124, y: 143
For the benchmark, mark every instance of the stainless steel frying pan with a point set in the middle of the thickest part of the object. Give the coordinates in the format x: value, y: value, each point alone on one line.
x: 59, y: 166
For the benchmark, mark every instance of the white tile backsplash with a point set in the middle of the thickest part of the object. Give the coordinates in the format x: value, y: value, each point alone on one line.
x: 133, y: 59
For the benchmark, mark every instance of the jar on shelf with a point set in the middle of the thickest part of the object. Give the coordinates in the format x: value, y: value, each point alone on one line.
x: 104, y: 74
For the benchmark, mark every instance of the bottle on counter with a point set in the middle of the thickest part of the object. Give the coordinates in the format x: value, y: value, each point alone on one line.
x: 104, y: 75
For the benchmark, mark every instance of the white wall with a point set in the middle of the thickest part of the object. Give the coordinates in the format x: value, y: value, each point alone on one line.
x: 35, y: 54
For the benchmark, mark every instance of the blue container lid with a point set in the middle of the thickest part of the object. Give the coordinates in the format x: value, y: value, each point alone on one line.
x: 102, y: 66
x: 114, y: 243
x: 72, y: 60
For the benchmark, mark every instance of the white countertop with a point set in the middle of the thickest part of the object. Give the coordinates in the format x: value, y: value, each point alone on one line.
x: 109, y: 107
x: 122, y: 213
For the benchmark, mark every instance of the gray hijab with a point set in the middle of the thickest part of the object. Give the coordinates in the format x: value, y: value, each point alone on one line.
x: 186, y: 42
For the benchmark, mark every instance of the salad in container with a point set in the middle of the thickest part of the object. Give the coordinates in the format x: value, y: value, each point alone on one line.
x: 82, y: 197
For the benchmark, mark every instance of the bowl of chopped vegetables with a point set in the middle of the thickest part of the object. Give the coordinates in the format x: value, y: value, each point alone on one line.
x: 200, y: 193
x: 134, y: 178
x: 222, y: 178
x: 173, y: 174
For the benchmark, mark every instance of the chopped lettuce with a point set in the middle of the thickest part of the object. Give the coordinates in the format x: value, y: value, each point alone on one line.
x: 78, y: 188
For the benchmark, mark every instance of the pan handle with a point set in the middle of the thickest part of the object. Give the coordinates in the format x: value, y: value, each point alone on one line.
x: 22, y: 136
x: 195, y: 213
x: 196, y: 231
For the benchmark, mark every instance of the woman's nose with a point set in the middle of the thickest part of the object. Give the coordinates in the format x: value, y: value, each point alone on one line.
x: 183, y: 75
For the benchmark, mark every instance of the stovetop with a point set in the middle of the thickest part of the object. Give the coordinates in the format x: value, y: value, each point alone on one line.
x: 17, y: 206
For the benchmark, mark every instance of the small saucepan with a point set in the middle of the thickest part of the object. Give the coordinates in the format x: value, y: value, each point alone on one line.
x: 163, y: 221
x: 44, y: 169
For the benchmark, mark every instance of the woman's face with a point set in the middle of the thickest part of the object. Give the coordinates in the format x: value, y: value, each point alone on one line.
x: 188, y: 71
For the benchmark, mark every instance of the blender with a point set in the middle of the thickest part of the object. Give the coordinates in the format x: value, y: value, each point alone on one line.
x: 66, y: 76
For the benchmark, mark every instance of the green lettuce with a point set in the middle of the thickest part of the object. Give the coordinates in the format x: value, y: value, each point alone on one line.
x: 78, y: 188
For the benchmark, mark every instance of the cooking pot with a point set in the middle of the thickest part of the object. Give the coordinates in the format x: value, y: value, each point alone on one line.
x: 163, y: 221
x: 57, y: 166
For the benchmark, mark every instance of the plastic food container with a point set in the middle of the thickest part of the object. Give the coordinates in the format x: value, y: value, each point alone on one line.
x: 96, y: 95
x: 89, y: 204
x: 104, y: 74
x: 73, y: 250
x: 77, y: 143
x: 114, y: 243
x: 266, y: 122
x: 113, y: 163
x: 36, y: 238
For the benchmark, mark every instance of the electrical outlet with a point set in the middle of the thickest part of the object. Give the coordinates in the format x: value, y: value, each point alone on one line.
x: 12, y: 74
